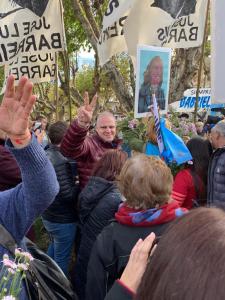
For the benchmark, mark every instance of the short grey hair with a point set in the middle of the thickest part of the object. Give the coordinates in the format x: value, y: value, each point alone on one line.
x: 105, y: 114
x: 220, y: 128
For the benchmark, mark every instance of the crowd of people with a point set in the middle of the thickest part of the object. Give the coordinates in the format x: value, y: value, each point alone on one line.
x: 135, y: 231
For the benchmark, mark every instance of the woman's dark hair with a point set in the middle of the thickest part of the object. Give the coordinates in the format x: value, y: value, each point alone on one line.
x: 201, y: 151
x: 57, y: 131
x: 189, y: 261
x: 110, y: 164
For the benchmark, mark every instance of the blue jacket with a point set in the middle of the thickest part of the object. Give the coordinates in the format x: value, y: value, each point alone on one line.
x: 20, y: 206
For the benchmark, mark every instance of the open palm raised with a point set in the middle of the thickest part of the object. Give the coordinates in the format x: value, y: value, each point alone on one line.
x: 16, y: 107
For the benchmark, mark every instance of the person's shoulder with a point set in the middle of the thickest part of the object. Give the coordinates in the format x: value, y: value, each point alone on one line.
x: 108, y: 234
x: 183, y: 177
x: 183, y: 173
x: 105, y: 243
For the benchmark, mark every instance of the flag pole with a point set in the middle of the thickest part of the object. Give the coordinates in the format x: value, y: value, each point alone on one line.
x: 201, y: 62
x: 56, y: 88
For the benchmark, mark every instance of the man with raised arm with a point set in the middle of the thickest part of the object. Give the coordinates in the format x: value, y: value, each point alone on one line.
x: 20, y: 206
x: 84, y: 148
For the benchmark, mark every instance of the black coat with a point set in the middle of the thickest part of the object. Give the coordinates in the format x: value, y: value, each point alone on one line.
x: 110, y: 255
x: 63, y: 209
x: 118, y: 292
x: 216, y: 177
x: 99, y: 201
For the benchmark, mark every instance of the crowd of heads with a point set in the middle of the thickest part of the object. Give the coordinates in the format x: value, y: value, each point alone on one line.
x: 190, y: 250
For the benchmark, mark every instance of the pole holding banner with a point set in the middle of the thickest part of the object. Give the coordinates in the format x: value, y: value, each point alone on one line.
x: 56, y: 87
x: 201, y: 62
x: 157, y: 125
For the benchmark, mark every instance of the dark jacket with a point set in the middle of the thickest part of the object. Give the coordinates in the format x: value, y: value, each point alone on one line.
x: 216, y: 177
x: 119, y: 292
x: 63, y: 209
x: 85, y: 149
x: 99, y: 201
x: 145, y: 98
x: 110, y: 255
x: 9, y: 170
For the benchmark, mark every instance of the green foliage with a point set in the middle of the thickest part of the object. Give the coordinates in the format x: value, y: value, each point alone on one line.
x: 121, y: 61
x: 133, y: 132
x: 183, y: 128
x: 75, y: 35
x: 84, y: 80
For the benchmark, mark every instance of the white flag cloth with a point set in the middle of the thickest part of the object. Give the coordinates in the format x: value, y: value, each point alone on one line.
x: 217, y: 51
x: 112, y: 39
x: 165, y: 23
x: 30, y: 34
x: 30, y: 27
x: 39, y: 68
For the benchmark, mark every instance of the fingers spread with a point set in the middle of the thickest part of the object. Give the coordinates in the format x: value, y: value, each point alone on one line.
x: 86, y: 99
x: 9, y: 92
x: 27, y: 92
x: 94, y: 101
x: 19, y: 89
x: 29, y: 105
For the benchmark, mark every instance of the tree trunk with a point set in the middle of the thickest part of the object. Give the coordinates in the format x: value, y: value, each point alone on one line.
x: 185, y: 65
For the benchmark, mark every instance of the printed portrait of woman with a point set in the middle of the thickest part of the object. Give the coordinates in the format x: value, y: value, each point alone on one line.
x: 152, y: 84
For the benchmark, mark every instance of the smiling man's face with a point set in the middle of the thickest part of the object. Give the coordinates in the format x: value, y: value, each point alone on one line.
x: 106, y: 128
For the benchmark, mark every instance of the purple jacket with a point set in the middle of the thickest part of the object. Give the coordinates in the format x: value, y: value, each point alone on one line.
x: 85, y: 149
x: 10, y: 173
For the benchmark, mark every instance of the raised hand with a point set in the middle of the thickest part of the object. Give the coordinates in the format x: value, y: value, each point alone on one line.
x: 16, y: 108
x: 85, y: 112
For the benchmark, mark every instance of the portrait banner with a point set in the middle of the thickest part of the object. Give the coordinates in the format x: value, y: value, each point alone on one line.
x: 165, y: 23
x: 217, y: 51
x: 30, y: 27
x: 152, y: 78
x: 112, y: 39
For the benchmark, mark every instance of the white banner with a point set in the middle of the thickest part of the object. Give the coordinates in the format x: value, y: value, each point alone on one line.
x: 165, y: 23
x: 112, y: 39
x: 39, y: 68
x: 217, y: 51
x: 30, y: 28
x: 187, y: 103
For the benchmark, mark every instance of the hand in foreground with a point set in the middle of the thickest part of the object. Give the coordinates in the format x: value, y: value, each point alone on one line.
x: 85, y: 112
x: 137, y: 263
x: 15, y: 111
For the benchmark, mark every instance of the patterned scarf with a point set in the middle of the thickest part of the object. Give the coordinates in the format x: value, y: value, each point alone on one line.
x: 154, y: 216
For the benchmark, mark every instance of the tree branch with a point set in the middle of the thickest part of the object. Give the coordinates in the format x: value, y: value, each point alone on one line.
x: 78, y: 11
x: 119, y: 85
x: 90, y: 17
